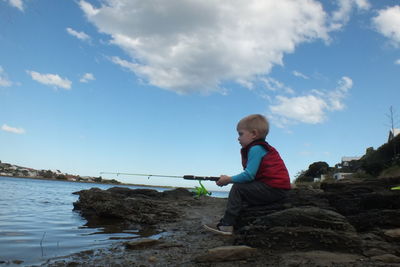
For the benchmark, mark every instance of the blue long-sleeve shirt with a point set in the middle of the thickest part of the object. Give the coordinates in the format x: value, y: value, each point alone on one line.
x: 256, y: 153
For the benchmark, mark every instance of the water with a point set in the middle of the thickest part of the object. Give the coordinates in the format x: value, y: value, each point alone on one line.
x: 37, y: 221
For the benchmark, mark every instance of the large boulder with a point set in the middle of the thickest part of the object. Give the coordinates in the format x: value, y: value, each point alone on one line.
x: 131, y: 206
x: 367, y: 204
x: 343, y: 216
x: 302, y: 228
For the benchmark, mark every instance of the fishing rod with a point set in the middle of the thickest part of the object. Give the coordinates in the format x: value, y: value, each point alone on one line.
x: 187, y: 177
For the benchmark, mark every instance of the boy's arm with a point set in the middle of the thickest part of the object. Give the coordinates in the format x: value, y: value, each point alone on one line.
x: 255, y: 156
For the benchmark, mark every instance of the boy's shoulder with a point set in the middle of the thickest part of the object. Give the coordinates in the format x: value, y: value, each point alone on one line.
x: 258, y: 148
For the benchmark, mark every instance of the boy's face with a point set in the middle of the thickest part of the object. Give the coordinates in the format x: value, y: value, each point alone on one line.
x: 246, y: 136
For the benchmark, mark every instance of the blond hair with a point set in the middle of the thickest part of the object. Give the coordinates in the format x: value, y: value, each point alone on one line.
x: 255, y: 122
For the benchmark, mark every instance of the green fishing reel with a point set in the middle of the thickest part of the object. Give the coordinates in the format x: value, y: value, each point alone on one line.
x: 201, y: 190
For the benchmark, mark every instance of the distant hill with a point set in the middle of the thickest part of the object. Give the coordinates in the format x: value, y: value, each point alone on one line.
x: 387, y: 156
x: 382, y: 162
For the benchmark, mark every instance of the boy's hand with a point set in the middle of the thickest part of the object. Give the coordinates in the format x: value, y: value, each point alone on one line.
x: 223, y: 180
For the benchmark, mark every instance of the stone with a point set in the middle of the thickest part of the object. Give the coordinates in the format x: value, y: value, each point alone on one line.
x: 374, y: 252
x: 319, y: 258
x: 141, y: 244
x: 393, y: 233
x: 140, y: 206
x: 152, y: 259
x: 301, y: 228
x: 361, y: 217
x: 387, y: 258
x: 227, y: 253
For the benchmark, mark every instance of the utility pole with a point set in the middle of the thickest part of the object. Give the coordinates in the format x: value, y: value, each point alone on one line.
x: 391, y: 117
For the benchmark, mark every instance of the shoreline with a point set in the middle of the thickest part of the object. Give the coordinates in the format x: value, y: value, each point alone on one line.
x: 61, y: 180
x: 124, y: 184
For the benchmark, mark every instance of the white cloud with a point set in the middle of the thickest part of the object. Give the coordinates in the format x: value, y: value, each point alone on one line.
x: 88, y: 8
x: 299, y: 74
x: 4, y: 81
x: 387, y: 22
x: 342, y: 15
x: 50, y: 79
x: 10, y: 129
x: 80, y: 35
x: 306, y: 109
x: 336, y: 97
x: 194, y: 46
x: 275, y: 85
x: 87, y: 77
x: 17, y: 4
x: 310, y: 108
x: 397, y: 62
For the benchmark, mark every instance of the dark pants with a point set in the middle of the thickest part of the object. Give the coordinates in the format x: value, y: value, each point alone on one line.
x: 249, y: 194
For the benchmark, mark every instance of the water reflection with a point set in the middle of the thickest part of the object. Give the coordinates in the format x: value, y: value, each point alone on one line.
x: 37, y: 222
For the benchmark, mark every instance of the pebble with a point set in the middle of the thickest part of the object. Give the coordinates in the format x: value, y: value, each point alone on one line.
x: 387, y: 258
x: 227, y: 253
x: 393, y: 233
x: 141, y: 244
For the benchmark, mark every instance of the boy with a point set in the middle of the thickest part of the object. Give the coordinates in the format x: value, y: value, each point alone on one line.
x: 264, y: 180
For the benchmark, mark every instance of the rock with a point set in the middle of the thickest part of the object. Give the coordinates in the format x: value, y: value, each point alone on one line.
x: 301, y: 239
x: 387, y: 258
x: 141, y: 244
x: 227, y: 253
x: 351, y: 197
x: 141, y: 206
x: 373, y: 252
x: 337, y: 218
x: 374, y: 219
x: 361, y: 217
x: 318, y: 258
x: 393, y: 233
x: 306, y: 228
x: 152, y: 259
x: 177, y: 193
x: 308, y: 217
x: 296, y: 198
x: 375, y: 244
x: 142, y: 192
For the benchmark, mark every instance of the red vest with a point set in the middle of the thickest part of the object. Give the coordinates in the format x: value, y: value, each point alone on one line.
x: 272, y: 170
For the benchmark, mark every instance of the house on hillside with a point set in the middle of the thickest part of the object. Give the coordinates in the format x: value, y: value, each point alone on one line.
x: 346, y: 161
x: 346, y: 168
x: 393, y: 133
x: 342, y: 175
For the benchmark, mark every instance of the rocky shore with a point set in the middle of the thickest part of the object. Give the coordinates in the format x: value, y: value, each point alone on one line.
x: 346, y: 223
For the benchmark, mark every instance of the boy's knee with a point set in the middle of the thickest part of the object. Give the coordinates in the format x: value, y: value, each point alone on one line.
x: 237, y: 187
x: 241, y: 189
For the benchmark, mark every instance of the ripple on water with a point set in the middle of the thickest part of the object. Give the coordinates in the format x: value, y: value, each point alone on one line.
x: 37, y: 221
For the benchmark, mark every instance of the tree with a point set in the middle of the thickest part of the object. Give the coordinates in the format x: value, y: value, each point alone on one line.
x: 302, y: 178
x: 46, y: 174
x: 98, y: 179
x: 317, y: 168
x: 376, y: 161
x: 61, y: 177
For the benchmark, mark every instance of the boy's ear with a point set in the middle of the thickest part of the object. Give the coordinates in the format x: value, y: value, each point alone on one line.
x: 254, y: 132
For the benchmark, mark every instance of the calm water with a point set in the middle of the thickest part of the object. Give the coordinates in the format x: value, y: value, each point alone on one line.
x: 37, y: 221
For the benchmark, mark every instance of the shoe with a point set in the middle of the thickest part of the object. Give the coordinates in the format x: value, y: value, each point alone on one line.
x: 220, y: 229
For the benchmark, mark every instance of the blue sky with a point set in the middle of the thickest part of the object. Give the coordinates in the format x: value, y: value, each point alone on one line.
x: 158, y: 86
